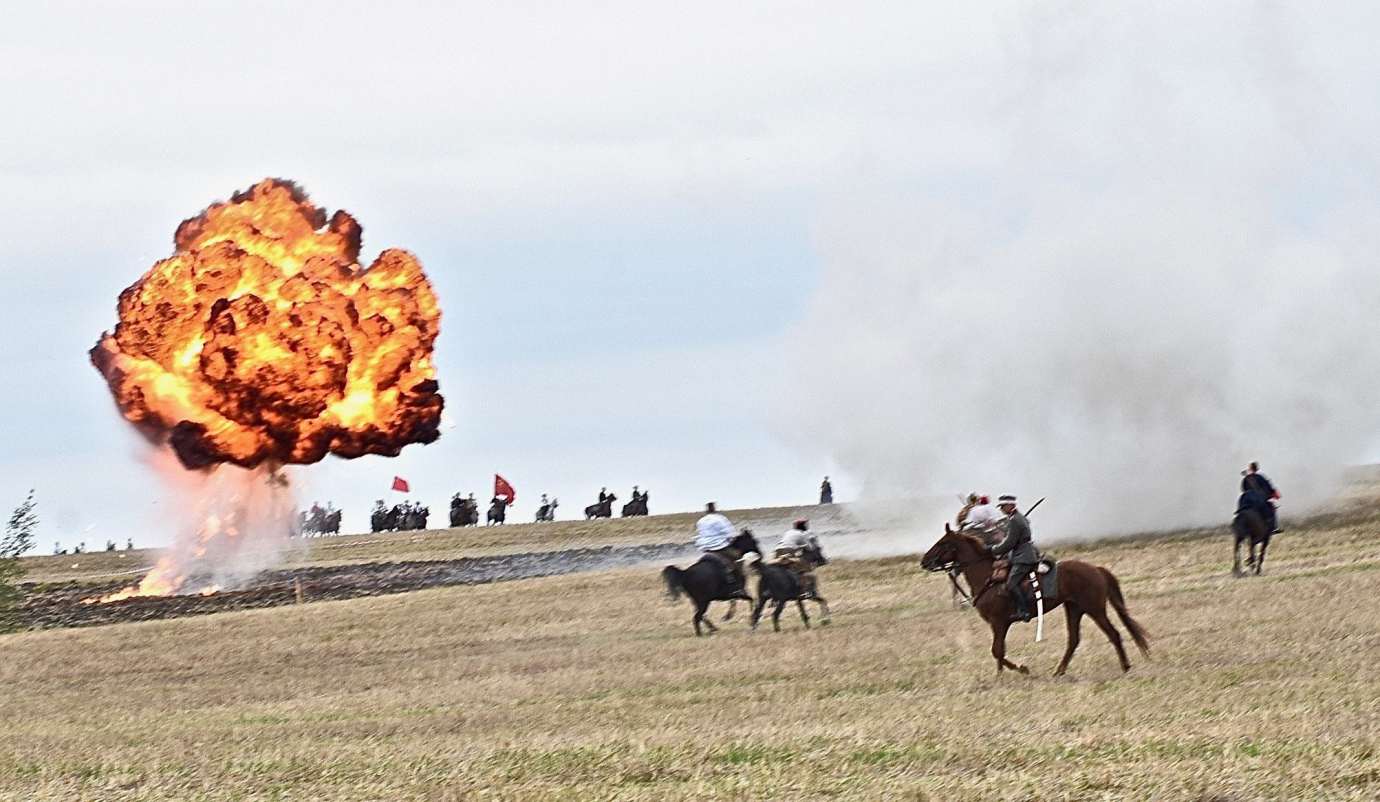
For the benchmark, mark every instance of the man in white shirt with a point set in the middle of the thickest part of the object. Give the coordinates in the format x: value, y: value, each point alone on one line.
x: 713, y: 533
x: 983, y: 519
x: 797, y: 538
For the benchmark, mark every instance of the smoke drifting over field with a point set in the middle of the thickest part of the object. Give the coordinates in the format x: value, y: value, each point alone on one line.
x: 1153, y: 262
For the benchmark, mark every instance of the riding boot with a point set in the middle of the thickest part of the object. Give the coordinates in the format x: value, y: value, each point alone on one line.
x: 1022, y: 609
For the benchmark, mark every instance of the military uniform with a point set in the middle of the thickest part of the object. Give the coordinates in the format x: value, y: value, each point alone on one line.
x: 1022, y: 554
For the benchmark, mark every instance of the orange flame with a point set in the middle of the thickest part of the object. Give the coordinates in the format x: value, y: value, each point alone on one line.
x: 261, y: 339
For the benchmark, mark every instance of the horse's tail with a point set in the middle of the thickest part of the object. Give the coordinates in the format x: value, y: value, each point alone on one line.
x: 1138, y: 633
x: 674, y: 579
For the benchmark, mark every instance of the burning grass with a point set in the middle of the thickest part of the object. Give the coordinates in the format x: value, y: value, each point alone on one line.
x: 591, y: 686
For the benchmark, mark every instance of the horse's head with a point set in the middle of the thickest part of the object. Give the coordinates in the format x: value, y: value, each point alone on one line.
x: 954, y: 548
x: 745, y: 543
x: 813, y: 554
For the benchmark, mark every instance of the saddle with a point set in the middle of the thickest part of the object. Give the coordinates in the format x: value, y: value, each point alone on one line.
x: 1045, y: 569
x: 793, y: 560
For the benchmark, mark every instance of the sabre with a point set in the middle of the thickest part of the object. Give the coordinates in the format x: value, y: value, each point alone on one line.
x: 1039, y: 597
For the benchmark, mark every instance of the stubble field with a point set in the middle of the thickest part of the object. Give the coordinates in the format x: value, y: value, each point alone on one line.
x: 592, y: 686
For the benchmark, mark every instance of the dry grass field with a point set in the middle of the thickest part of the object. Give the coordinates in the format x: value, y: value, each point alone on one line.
x: 593, y: 687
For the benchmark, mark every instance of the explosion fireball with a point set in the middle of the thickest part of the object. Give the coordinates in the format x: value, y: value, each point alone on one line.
x: 262, y: 339
x: 262, y: 342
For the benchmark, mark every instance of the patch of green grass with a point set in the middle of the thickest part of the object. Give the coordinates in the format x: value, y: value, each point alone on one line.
x: 739, y: 754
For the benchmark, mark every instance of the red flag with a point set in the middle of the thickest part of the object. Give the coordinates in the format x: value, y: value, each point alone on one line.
x: 502, y: 488
x: 400, y: 484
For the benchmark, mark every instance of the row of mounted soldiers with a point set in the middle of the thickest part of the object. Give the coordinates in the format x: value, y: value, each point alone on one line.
x: 319, y: 521
x: 401, y: 517
x: 603, y: 508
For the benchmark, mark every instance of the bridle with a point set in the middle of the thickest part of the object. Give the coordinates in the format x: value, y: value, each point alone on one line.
x: 948, y: 568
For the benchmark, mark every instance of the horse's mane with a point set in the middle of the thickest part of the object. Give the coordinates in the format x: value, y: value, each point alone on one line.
x: 975, y: 542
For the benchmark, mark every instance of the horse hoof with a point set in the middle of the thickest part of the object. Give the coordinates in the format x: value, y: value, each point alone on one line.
x: 1023, y: 670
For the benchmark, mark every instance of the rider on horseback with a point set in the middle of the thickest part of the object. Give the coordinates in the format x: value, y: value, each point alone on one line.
x: 713, y: 534
x: 982, y: 520
x: 1257, y: 493
x: 1023, y: 556
x: 790, y: 553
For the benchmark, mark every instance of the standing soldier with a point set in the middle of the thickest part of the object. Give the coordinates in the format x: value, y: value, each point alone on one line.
x: 826, y: 492
x: 1023, y: 557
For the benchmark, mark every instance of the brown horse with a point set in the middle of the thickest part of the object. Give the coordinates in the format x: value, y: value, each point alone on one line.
x: 1084, y: 589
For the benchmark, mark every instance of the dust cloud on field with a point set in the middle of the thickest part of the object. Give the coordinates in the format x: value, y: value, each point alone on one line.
x: 1145, y: 259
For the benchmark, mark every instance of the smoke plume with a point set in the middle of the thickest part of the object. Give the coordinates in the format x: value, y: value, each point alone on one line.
x: 1159, y: 266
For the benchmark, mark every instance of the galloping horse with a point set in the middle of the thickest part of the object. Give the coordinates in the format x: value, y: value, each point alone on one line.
x: 704, y: 582
x: 498, y: 512
x: 1249, y: 525
x: 1084, y: 589
x: 781, y: 584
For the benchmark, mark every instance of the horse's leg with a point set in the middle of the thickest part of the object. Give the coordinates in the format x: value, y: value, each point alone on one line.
x: 776, y: 615
x: 803, y: 616
x: 757, y: 609
x: 700, y: 607
x: 732, y: 607
x: 1074, y: 617
x: 1236, y: 558
x: 1260, y: 563
x: 707, y: 620
x: 999, y: 649
x: 824, y: 609
x: 1100, y: 616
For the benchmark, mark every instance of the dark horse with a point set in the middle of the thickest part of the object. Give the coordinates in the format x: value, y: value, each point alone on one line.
x: 1084, y: 589
x: 603, y: 509
x: 463, y: 512
x: 636, y: 507
x: 780, y: 584
x: 498, y: 511
x: 704, y: 582
x: 1249, y: 525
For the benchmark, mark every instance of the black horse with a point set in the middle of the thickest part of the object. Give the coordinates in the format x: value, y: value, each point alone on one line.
x: 704, y: 582
x: 463, y: 511
x: 498, y: 511
x: 636, y: 507
x: 603, y: 509
x: 547, y: 511
x: 780, y: 584
x: 1249, y: 525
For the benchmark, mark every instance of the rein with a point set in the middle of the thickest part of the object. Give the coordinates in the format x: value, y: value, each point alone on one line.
x: 958, y: 589
x: 972, y: 599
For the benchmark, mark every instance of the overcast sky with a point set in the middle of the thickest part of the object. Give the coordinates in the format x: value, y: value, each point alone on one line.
x: 630, y: 211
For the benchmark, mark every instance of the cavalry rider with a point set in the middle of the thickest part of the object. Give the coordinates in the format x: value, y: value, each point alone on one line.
x: 713, y: 534
x: 636, y: 496
x: 603, y: 494
x: 1259, y: 494
x: 983, y: 520
x: 1021, y: 548
x: 545, y: 506
x: 962, y: 517
x: 790, y: 553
